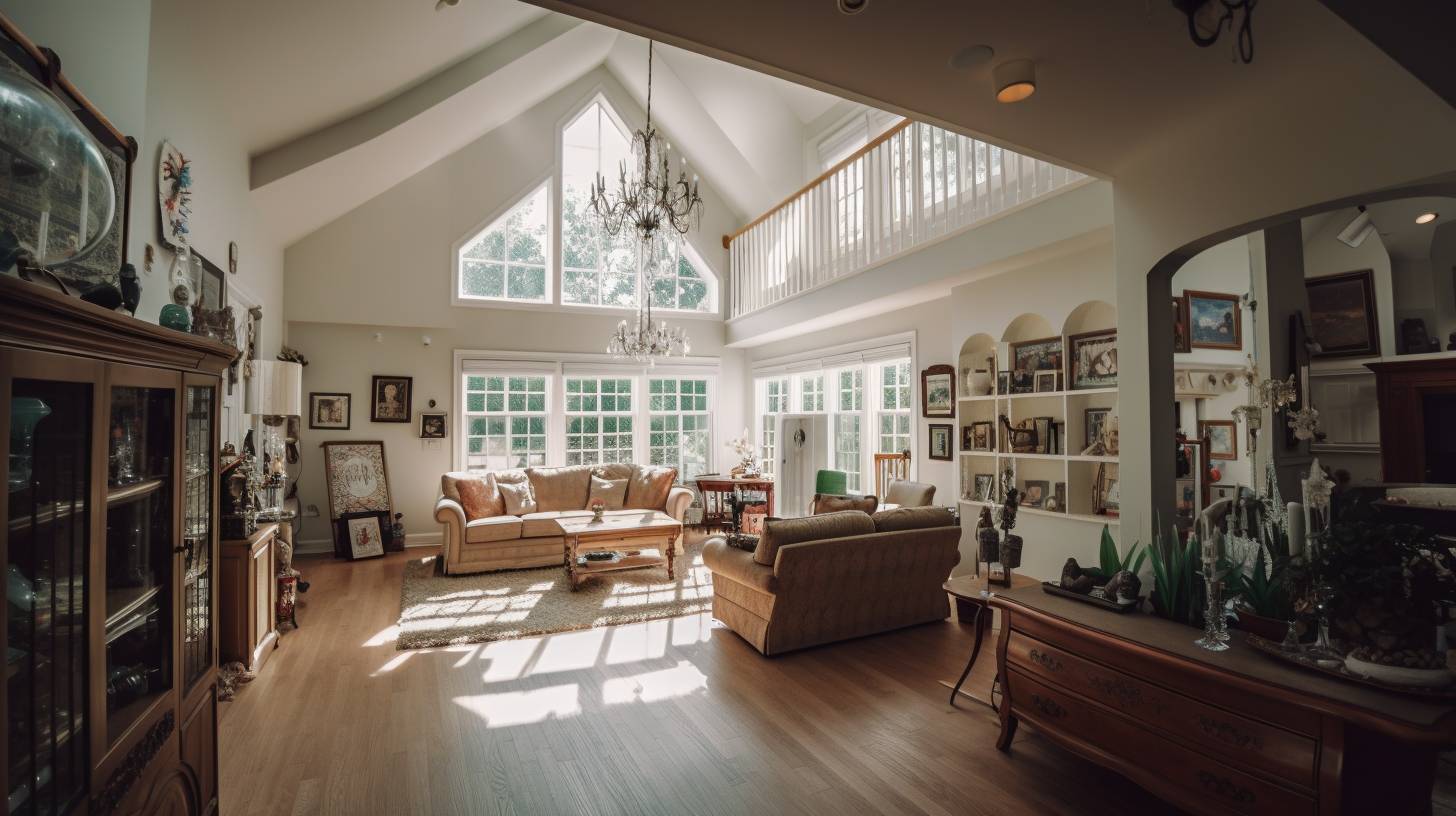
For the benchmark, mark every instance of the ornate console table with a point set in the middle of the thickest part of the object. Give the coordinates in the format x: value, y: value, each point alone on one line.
x: 1233, y: 732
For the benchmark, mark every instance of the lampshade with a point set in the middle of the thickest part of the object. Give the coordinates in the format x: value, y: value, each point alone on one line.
x: 275, y: 389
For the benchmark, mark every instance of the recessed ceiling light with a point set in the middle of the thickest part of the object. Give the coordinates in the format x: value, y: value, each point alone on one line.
x: 1426, y: 218
x: 1015, y: 80
x: 853, y: 6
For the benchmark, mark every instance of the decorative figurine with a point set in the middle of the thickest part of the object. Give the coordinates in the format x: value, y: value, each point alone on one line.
x: 131, y: 288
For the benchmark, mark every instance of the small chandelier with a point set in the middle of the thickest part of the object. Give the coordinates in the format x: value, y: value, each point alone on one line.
x: 645, y: 339
x: 647, y: 201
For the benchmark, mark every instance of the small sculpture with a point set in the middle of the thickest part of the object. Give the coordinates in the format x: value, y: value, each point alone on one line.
x: 1076, y: 579
x: 131, y: 288
x: 1124, y: 588
x: 987, y: 537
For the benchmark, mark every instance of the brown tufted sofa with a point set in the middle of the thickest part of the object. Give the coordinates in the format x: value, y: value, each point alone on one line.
x: 835, y: 576
x: 490, y: 538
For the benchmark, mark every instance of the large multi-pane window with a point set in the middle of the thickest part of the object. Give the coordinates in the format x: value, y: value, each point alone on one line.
x: 598, y: 420
x: 894, y: 407
x: 811, y: 393
x: 507, y: 260
x: 775, y: 401
x: 596, y: 268
x: 869, y: 407
x: 505, y: 421
x: 676, y: 279
x: 681, y: 425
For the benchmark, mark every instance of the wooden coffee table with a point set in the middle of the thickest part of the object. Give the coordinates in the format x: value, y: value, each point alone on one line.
x: 625, y: 535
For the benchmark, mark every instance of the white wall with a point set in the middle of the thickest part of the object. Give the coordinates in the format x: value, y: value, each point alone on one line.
x: 1223, y: 269
x: 146, y: 66
x: 386, y: 267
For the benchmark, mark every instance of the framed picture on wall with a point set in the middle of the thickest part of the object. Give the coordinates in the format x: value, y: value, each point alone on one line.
x: 1222, y: 436
x: 1342, y: 314
x: 1214, y: 320
x: 328, y: 412
x: 390, y: 398
x: 937, y: 391
x: 433, y: 425
x: 1093, y: 358
x: 941, y: 446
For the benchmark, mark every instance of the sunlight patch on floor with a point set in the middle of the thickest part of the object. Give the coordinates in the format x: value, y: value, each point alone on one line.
x: 509, y: 659
x: 654, y: 686
x: 570, y: 651
x: 387, y: 635
x: 505, y: 709
x: 393, y: 663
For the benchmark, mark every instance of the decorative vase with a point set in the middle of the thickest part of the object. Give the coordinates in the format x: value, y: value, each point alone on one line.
x: 174, y: 317
x: 980, y: 383
x: 25, y: 414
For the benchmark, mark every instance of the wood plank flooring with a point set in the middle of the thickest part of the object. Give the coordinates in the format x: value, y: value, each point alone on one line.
x: 667, y: 717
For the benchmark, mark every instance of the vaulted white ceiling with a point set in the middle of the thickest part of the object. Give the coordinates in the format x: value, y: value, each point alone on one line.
x: 354, y: 96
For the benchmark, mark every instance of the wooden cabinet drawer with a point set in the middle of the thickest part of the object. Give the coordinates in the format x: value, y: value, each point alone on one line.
x: 1206, y: 784
x: 1246, y: 742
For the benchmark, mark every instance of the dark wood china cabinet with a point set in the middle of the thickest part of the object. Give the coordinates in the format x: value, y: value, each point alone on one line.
x: 110, y: 542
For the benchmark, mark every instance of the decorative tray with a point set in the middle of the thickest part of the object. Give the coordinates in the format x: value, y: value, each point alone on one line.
x: 1101, y: 603
x: 1273, y: 649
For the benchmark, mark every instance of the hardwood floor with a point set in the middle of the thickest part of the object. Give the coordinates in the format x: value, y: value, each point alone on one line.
x: 667, y: 717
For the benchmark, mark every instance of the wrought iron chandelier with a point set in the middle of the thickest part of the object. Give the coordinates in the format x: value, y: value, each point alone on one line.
x: 646, y: 201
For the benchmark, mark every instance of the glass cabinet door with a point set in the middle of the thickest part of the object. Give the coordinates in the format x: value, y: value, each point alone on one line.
x: 197, y: 518
x: 139, y: 537
x: 47, y: 516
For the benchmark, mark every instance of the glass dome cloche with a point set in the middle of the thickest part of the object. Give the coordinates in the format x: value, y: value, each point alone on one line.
x: 57, y: 197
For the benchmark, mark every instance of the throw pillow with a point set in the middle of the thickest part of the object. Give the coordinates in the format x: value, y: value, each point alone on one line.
x: 611, y: 491
x: 913, y: 518
x: 479, y: 499
x: 519, y: 500
x: 648, y: 488
x: 834, y: 504
x: 782, y: 532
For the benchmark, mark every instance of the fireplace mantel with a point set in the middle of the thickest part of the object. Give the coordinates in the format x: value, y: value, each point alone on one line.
x: 1402, y: 387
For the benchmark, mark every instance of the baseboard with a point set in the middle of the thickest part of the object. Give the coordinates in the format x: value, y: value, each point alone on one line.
x: 424, y: 539
x: 320, y: 546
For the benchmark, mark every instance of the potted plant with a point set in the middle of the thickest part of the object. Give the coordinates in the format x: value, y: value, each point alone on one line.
x: 1384, y: 585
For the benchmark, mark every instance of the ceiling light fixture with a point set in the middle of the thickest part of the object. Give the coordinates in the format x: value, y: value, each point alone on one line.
x: 440, y: 4
x: 1426, y: 218
x: 1207, y: 19
x: 852, y: 6
x: 1015, y: 80
x: 1359, y: 228
x: 647, y: 201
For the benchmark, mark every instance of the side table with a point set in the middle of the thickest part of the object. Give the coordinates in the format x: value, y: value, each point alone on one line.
x: 972, y: 595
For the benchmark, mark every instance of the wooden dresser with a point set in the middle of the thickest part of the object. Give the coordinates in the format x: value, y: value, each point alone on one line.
x: 1229, y: 732
x: 248, y: 597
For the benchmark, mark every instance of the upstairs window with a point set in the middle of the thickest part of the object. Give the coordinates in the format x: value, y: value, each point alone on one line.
x: 597, y: 269
x: 507, y: 260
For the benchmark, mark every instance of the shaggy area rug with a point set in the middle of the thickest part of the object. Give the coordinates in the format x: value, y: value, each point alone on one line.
x: 441, y: 610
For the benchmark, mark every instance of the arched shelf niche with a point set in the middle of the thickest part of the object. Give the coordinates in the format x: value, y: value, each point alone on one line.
x: 976, y: 364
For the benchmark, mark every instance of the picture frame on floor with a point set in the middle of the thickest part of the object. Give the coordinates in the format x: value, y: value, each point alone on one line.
x: 390, y: 398
x: 357, y: 481
x: 328, y: 411
x: 941, y: 446
x: 365, y: 534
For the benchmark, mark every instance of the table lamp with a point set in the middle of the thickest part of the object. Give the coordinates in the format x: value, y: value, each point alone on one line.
x: 275, y: 392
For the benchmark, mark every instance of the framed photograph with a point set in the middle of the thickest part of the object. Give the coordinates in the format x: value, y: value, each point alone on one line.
x: 1181, y: 339
x: 365, y: 534
x: 985, y: 490
x: 328, y: 412
x: 941, y: 444
x: 981, y: 436
x: 1093, y: 420
x: 967, y: 437
x: 1003, y: 382
x: 1030, y: 356
x: 1342, y: 314
x: 1035, y: 492
x: 1185, y: 493
x: 1214, y: 320
x: 1106, y: 493
x: 357, y: 480
x: 211, y: 283
x: 390, y: 398
x: 1058, y: 500
x: 1044, y: 382
x: 937, y: 391
x: 1093, y: 356
x: 433, y: 425
x: 1222, y: 436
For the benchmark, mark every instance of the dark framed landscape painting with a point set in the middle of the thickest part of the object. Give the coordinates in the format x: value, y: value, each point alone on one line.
x: 1342, y: 314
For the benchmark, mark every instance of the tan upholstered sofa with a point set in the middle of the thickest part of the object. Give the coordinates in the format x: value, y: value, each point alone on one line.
x: 483, y: 531
x: 830, y: 577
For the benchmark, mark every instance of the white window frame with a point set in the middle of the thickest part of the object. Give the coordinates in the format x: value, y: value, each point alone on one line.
x: 557, y: 368
x: 506, y: 413
x: 602, y: 416
x: 679, y: 414
x: 878, y: 410
x: 457, y: 299
x: 767, y: 407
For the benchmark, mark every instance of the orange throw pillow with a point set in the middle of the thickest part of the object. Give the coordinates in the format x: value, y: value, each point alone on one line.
x: 477, y: 499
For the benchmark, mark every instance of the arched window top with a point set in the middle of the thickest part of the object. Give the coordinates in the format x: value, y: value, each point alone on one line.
x: 507, y: 259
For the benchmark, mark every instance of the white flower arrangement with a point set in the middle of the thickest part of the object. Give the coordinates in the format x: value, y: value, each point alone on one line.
x: 1305, y: 423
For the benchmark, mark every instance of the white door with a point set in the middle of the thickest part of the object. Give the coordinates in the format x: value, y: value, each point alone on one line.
x: 803, y: 451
